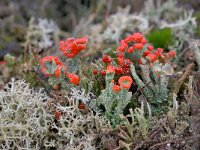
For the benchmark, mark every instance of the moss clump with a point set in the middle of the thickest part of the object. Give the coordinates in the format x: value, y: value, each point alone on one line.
x: 197, y: 15
x: 161, y: 38
x: 31, y: 78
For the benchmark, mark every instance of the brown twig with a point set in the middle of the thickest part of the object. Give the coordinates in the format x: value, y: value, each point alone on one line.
x: 108, y: 9
x: 140, y: 89
x: 148, y: 139
x: 25, y: 51
x: 181, y: 80
x: 83, y: 23
x: 184, y: 51
x: 113, y: 131
x: 173, y: 141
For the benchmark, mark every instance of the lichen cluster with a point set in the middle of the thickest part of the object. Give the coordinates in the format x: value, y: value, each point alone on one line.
x: 24, y: 118
x: 129, y: 82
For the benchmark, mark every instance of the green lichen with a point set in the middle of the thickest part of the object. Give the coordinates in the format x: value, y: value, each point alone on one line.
x: 114, y: 103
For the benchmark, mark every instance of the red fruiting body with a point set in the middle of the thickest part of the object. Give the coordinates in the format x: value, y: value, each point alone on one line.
x: 137, y: 37
x: 56, y: 87
x: 118, y: 70
x: 140, y: 61
x: 120, y: 60
x: 116, y: 88
x: 103, y: 72
x: 128, y: 39
x: 126, y: 70
x: 138, y: 46
x: 158, y: 74
x: 146, y: 53
x: 44, y: 71
x: 130, y: 49
x: 3, y: 62
x: 156, y: 53
x: 58, y: 115
x: 129, y: 45
x: 150, y: 48
x: 59, y: 69
x: 81, y: 106
x: 144, y: 41
x: 160, y: 50
x: 126, y: 63
x: 106, y: 59
x: 57, y: 72
x: 71, y: 47
x: 95, y: 72
x: 171, y: 53
x: 73, y: 79
x: 125, y: 82
x: 49, y: 59
x: 122, y: 47
x: 81, y: 40
x: 120, y: 55
x: 110, y: 69
x: 151, y: 57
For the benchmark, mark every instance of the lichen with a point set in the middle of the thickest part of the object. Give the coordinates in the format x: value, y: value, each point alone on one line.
x: 24, y: 117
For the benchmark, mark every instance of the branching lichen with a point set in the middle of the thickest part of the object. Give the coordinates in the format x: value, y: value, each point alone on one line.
x: 114, y: 103
x: 196, y: 50
x: 154, y: 88
x: 41, y: 34
x: 24, y: 119
x: 77, y: 129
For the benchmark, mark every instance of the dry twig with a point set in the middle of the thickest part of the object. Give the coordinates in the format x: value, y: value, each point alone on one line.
x: 173, y: 141
x: 182, y: 79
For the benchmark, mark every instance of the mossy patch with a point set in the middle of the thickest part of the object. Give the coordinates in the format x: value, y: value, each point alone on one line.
x: 197, y: 15
x: 161, y: 38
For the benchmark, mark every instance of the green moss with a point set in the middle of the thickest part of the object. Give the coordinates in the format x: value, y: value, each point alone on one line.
x: 8, y: 39
x: 11, y: 60
x: 161, y: 38
x: 31, y: 78
x: 197, y: 16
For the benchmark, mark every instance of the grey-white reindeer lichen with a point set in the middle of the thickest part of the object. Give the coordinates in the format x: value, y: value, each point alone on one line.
x: 168, y: 15
x: 183, y: 21
x: 154, y: 10
x: 77, y: 130
x: 182, y: 28
x: 137, y: 126
x: 123, y: 21
x: 41, y: 34
x: 26, y: 122
x: 81, y: 95
x: 194, y: 46
x: 24, y: 119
